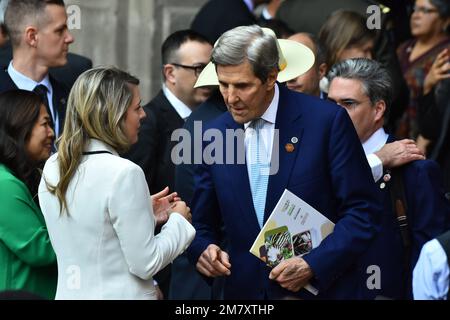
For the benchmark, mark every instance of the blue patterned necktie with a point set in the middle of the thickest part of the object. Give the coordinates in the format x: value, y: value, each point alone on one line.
x: 259, y: 169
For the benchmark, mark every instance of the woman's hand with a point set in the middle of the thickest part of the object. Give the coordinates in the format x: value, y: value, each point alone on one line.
x: 439, y: 71
x: 162, y: 203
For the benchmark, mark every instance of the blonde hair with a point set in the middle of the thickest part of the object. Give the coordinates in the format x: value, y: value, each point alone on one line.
x: 96, y: 109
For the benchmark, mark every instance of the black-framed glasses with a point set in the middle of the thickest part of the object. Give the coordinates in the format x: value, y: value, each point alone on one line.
x: 197, y: 68
x: 424, y: 10
x: 348, y: 103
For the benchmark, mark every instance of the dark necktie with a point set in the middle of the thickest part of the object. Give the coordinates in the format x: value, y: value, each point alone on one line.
x: 41, y: 90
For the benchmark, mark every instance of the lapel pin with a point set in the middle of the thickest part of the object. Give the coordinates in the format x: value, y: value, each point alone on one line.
x: 289, y: 147
x: 294, y: 140
x: 382, y: 185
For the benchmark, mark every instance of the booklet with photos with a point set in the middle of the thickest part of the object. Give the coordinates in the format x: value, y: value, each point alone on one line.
x: 294, y: 228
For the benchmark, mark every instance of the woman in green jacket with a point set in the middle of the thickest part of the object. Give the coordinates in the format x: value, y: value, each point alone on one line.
x: 27, y: 259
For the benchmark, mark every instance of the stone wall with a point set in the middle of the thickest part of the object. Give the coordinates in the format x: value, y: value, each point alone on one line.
x: 129, y: 34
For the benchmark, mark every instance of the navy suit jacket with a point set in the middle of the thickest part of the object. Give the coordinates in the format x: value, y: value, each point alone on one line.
x: 327, y: 169
x: 428, y: 213
x: 60, y: 94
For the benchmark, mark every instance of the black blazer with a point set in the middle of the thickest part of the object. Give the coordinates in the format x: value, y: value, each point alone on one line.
x: 218, y: 16
x: 60, y: 94
x: 153, y: 150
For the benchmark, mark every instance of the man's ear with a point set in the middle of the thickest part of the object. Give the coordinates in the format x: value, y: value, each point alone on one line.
x: 272, y: 79
x: 31, y: 36
x: 168, y: 71
x: 322, y: 70
x: 380, y: 110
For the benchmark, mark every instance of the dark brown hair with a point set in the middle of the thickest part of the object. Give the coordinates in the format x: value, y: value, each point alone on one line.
x: 19, y: 111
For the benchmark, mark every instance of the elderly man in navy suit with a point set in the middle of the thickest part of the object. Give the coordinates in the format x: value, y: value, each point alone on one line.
x: 415, y: 208
x: 320, y: 160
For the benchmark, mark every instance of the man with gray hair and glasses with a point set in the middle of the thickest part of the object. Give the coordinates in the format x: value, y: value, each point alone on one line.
x: 319, y: 159
x: 415, y: 208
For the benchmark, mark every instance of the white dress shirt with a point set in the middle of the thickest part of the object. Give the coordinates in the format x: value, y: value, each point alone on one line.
x: 431, y: 273
x: 372, y: 145
x: 266, y: 15
x: 267, y: 131
x: 106, y: 248
x: 182, y: 109
x: 25, y: 83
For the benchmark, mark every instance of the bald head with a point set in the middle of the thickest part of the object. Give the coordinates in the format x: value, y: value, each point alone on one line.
x: 309, y: 82
x: 306, y: 39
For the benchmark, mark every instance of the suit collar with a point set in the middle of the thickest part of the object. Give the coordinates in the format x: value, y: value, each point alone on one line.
x: 26, y: 83
x: 180, y: 107
x: 290, y: 129
x: 161, y: 103
x: 375, y: 142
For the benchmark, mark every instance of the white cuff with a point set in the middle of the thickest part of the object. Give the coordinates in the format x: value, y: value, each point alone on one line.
x: 376, y: 165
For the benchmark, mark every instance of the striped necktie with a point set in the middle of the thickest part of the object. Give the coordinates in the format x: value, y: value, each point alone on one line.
x: 259, y: 169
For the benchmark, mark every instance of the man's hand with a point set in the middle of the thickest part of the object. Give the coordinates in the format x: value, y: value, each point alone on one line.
x: 292, y: 274
x: 398, y: 153
x: 214, y: 262
x: 162, y: 202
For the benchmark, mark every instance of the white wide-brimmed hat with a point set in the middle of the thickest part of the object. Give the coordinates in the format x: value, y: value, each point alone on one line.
x: 295, y: 59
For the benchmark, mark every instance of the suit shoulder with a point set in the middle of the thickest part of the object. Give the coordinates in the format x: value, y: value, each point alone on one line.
x: 220, y: 122
x: 422, y: 165
x: 79, y: 60
x: 310, y: 105
x: 158, y: 103
x: 6, y: 82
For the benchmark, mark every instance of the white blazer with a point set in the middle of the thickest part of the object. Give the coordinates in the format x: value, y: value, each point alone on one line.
x: 106, y: 248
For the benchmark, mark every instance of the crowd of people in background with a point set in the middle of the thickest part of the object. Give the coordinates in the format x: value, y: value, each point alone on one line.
x: 93, y: 205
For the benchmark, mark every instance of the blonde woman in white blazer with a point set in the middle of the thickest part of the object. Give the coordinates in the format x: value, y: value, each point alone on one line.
x: 97, y: 205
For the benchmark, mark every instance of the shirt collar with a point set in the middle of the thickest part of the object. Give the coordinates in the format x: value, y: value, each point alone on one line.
x: 270, y: 115
x: 97, y: 145
x: 250, y: 5
x: 182, y: 109
x: 25, y: 83
x: 266, y: 15
x: 376, y: 141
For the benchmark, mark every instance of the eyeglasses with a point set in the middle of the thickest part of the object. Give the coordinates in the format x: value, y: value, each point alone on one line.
x: 348, y: 103
x: 424, y: 10
x: 197, y: 68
